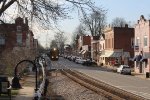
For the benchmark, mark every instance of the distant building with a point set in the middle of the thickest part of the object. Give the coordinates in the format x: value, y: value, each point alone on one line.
x: 67, y: 50
x: 95, y: 48
x: 84, y: 46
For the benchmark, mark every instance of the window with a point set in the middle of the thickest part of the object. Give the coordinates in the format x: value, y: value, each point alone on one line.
x: 19, y: 39
x: 18, y: 28
x: 145, y: 41
x: 132, y: 42
x: 137, y: 41
x: 2, y: 40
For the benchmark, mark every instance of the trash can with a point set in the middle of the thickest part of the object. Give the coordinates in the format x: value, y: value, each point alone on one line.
x: 4, y: 85
x: 147, y: 75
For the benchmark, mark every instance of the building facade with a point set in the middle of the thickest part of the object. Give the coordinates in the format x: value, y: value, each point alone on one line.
x: 95, y: 48
x: 84, y: 46
x: 142, y: 46
x: 118, y: 45
x: 15, y: 35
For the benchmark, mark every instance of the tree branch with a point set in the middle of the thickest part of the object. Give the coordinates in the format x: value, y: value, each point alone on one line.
x: 4, y: 7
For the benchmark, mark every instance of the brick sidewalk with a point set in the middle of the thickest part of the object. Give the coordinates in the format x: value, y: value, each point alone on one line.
x: 27, y: 91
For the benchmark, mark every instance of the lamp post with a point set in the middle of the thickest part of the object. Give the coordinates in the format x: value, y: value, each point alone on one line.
x: 15, y: 81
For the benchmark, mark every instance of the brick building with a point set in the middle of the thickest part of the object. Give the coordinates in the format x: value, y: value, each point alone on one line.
x: 118, y: 45
x: 68, y: 50
x: 142, y: 46
x: 95, y: 48
x: 83, y: 46
x: 15, y: 35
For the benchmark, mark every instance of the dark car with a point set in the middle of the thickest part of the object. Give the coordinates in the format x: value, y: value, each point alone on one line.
x: 87, y: 62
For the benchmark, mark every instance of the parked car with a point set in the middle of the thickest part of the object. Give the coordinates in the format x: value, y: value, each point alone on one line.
x: 79, y: 60
x: 124, y: 69
x: 73, y: 58
x: 87, y: 62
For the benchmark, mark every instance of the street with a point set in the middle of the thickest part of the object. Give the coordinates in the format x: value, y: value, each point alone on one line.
x: 126, y: 82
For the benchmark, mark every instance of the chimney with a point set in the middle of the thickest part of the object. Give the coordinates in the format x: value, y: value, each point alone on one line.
x: 126, y: 25
x: 26, y: 21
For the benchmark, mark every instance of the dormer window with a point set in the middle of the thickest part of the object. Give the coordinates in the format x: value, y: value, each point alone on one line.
x: 19, y: 29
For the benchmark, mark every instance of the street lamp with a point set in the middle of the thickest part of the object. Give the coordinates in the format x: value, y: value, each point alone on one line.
x: 15, y: 81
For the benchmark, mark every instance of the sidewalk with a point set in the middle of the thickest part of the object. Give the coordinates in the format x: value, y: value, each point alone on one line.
x: 27, y: 91
x: 139, y: 75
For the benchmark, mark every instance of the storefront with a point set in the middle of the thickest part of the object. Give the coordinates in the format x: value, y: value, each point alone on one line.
x: 142, y: 63
x: 113, y: 58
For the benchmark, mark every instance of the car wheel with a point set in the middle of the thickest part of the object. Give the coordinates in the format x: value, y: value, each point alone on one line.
x: 122, y: 72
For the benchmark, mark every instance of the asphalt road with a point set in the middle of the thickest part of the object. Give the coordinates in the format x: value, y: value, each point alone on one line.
x: 127, y: 82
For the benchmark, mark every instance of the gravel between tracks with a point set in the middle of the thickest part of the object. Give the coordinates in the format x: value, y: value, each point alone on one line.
x: 70, y: 90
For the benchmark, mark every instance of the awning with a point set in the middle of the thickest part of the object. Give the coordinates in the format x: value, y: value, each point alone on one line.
x: 106, y: 54
x: 84, y: 52
x: 144, y: 58
x: 81, y: 51
x: 137, y: 58
x: 115, y: 54
x: 134, y: 59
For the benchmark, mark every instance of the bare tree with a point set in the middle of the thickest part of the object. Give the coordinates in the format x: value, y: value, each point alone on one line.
x: 95, y: 22
x: 40, y: 48
x: 118, y: 22
x: 74, y: 39
x: 53, y: 44
x: 60, y: 40
x: 46, y: 12
x: 80, y: 30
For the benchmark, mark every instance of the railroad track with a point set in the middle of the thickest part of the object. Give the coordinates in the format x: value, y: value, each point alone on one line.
x: 104, y: 89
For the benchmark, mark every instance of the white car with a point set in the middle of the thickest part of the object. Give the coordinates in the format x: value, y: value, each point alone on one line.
x: 124, y: 69
x: 79, y: 60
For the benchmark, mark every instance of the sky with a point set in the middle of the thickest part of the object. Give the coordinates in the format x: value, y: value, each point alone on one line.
x: 130, y: 10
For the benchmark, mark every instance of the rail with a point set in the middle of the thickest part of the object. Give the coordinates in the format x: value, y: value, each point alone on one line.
x: 108, y: 91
